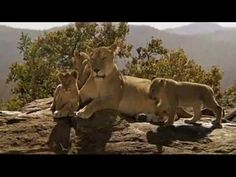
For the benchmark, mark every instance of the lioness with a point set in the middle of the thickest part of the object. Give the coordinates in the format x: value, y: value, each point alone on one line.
x: 109, y: 89
x: 66, y: 96
x: 80, y: 61
x: 172, y: 94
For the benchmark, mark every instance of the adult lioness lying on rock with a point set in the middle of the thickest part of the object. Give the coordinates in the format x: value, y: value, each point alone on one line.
x: 172, y: 94
x: 109, y: 89
x: 66, y: 96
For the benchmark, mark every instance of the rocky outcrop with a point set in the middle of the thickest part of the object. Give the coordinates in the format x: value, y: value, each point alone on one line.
x: 34, y: 131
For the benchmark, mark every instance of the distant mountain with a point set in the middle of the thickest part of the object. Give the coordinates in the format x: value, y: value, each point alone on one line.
x: 196, y: 28
x: 9, y: 53
x: 215, y: 46
x: 9, y: 38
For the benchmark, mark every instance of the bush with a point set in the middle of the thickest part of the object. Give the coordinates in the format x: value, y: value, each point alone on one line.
x: 229, y: 97
x: 156, y: 61
x: 43, y: 58
x: 13, y: 104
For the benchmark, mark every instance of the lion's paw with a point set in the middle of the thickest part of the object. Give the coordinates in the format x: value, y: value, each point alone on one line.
x: 82, y: 114
x: 189, y: 121
x: 217, y: 124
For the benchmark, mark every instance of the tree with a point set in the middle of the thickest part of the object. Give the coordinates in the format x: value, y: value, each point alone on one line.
x: 229, y: 96
x: 156, y: 61
x: 36, y: 76
x: 43, y: 58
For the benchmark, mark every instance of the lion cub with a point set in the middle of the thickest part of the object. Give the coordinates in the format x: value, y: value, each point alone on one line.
x: 173, y: 94
x: 66, y: 95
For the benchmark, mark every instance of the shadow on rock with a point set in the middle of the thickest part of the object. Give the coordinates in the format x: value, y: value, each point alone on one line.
x: 166, y: 135
x: 59, y: 140
x: 94, y: 133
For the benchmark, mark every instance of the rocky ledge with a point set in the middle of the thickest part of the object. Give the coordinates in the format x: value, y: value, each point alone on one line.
x: 34, y: 131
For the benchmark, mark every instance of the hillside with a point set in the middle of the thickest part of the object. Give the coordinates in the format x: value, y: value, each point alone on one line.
x: 215, y: 45
x: 9, y: 38
x: 217, y: 48
x: 9, y: 53
x: 196, y: 28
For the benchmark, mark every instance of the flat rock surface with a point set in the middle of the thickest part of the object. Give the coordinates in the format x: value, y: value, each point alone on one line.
x: 33, y: 131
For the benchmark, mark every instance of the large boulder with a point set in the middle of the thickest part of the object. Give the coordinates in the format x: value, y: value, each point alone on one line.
x: 34, y: 131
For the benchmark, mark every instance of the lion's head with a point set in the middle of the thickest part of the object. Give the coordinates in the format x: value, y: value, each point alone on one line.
x: 102, y: 60
x: 78, y: 59
x: 156, y: 88
x: 68, y: 80
x: 82, y: 65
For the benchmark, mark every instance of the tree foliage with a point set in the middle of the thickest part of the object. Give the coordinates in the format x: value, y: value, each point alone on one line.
x: 156, y: 61
x: 229, y: 97
x: 35, y: 77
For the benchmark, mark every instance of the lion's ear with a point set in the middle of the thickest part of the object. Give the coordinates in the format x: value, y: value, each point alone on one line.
x: 78, y: 59
x: 89, y: 50
x: 84, y: 56
x: 74, y: 74
x: 61, y: 77
x: 153, y: 77
x: 75, y: 57
x: 115, y: 46
x: 76, y: 53
x: 163, y: 82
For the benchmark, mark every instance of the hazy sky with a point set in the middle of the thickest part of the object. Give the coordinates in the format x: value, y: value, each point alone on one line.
x: 47, y: 25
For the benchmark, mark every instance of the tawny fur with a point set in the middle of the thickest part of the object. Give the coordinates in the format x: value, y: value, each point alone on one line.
x: 66, y: 96
x: 173, y: 94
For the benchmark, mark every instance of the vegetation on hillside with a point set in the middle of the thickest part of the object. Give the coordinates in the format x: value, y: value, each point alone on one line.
x: 229, y: 97
x: 156, y: 61
x: 36, y: 76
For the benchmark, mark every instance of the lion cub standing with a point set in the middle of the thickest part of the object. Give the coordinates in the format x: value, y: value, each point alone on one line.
x: 173, y: 94
x: 66, y: 95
